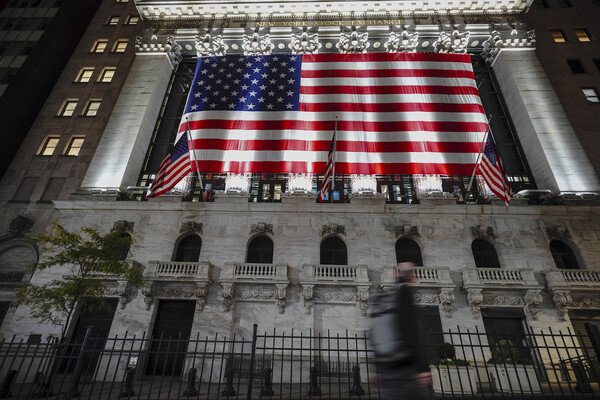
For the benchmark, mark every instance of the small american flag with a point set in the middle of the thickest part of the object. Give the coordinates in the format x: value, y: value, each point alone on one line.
x: 493, y: 172
x: 174, y: 168
x: 399, y: 113
x: 328, y: 169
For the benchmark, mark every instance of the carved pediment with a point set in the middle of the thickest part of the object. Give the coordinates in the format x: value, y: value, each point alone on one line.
x: 123, y: 226
x: 481, y: 231
x: 407, y: 230
x: 558, y: 232
x: 261, y: 228
x: 333, y: 229
x: 191, y: 227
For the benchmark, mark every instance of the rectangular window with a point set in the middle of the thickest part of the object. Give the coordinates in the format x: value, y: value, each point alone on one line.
x: 591, y: 94
x: 120, y: 46
x: 558, y: 36
x: 84, y: 75
x: 48, y: 146
x: 107, y: 74
x: 99, y: 46
x: 91, y: 109
x: 68, y: 107
x: 53, y: 189
x: 583, y: 35
x: 112, y: 20
x: 597, y: 63
x: 132, y: 20
x: 74, y: 146
x: 576, y: 66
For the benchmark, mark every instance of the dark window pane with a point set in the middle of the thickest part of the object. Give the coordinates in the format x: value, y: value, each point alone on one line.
x: 564, y: 258
x: 407, y: 250
x: 576, y: 66
x: 260, y: 250
x: 189, y: 249
x: 484, y: 254
x: 333, y: 252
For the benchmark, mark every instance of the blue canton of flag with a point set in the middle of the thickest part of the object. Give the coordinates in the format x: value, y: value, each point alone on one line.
x: 246, y: 83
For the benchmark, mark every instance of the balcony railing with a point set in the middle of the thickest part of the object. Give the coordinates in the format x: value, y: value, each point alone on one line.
x: 254, y: 272
x: 11, y: 277
x: 499, y: 277
x: 166, y: 270
x: 335, y: 273
x: 423, y: 276
x: 569, y: 278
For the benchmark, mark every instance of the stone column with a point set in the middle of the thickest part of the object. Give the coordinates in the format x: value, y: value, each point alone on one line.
x: 120, y: 154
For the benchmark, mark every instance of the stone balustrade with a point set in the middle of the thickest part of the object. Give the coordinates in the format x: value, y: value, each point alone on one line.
x: 234, y: 272
x: 335, y: 273
x: 11, y: 277
x: 499, y: 278
x: 423, y: 276
x: 573, y: 279
x: 173, y: 270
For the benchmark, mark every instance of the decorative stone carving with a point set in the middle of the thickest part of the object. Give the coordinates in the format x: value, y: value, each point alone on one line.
x: 481, y: 231
x: 333, y: 229
x: 362, y: 299
x: 305, y: 43
x: 256, y: 44
x: 562, y: 299
x: 446, y: 298
x: 407, y: 230
x: 147, y: 291
x: 120, y: 289
x: 210, y: 45
x: 514, y: 39
x: 254, y: 293
x: 123, y: 226
x: 586, y: 302
x: 402, y: 42
x: 307, y: 293
x: 362, y: 184
x: 533, y: 298
x: 201, y: 293
x: 454, y: 42
x: 280, y: 295
x: 261, y: 228
x: 20, y: 225
x: 173, y: 51
x: 174, y: 292
x: 190, y: 227
x: 422, y: 298
x: 475, y: 298
x: 558, y: 232
x: 334, y: 295
x: 353, y: 42
x: 227, y: 292
x: 502, y: 300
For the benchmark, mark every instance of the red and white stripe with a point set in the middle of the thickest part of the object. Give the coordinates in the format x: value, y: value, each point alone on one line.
x: 327, y: 177
x: 495, y: 178
x: 398, y: 113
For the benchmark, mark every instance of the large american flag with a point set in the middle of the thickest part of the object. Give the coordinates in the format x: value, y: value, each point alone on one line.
x: 399, y: 113
x: 492, y: 170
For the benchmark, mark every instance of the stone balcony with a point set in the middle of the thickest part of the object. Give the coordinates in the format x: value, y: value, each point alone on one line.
x: 177, y: 279
x: 573, y: 288
x: 254, y: 282
x: 432, y: 286
x: 338, y: 284
x: 495, y: 287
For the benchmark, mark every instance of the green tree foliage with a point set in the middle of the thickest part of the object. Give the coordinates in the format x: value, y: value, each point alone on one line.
x: 94, y: 261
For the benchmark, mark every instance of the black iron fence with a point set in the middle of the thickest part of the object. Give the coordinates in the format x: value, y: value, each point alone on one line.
x: 298, y: 365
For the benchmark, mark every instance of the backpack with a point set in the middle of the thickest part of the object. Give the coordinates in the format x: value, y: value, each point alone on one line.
x: 388, y: 342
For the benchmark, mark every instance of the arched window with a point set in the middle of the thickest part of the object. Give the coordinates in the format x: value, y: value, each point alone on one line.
x: 123, y: 251
x: 564, y: 258
x: 484, y: 254
x: 260, y: 250
x: 407, y: 250
x: 188, y: 249
x: 333, y: 251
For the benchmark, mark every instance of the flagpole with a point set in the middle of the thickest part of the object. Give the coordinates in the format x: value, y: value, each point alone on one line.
x: 333, y: 159
x: 187, y: 123
x: 479, y: 154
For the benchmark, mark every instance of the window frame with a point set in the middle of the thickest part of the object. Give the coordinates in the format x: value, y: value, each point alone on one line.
x: 130, y: 18
x: 88, y: 107
x: 70, y: 146
x: 562, y: 36
x: 97, y: 44
x: 81, y: 75
x: 103, y: 72
x: 64, y: 108
x: 586, y: 36
x: 44, y: 146
x: 116, y: 47
x: 576, y: 66
x: 111, y: 22
x: 595, y: 96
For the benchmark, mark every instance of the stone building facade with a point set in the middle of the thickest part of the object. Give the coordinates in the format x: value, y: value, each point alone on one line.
x: 263, y: 250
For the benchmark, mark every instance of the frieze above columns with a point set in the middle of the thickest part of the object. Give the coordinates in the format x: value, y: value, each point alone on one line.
x: 401, y: 42
x: 210, y: 45
x: 154, y: 44
x: 455, y: 42
x: 515, y: 39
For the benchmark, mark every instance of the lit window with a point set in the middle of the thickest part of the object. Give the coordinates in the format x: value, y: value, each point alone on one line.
x: 99, y: 46
x: 107, y: 74
x: 92, y: 108
x: 120, y: 46
x: 48, y: 146
x: 583, y: 35
x: 84, y: 75
x: 67, y: 108
x: 132, y: 20
x: 558, y: 36
x: 74, y: 146
x: 112, y: 20
x: 591, y: 95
